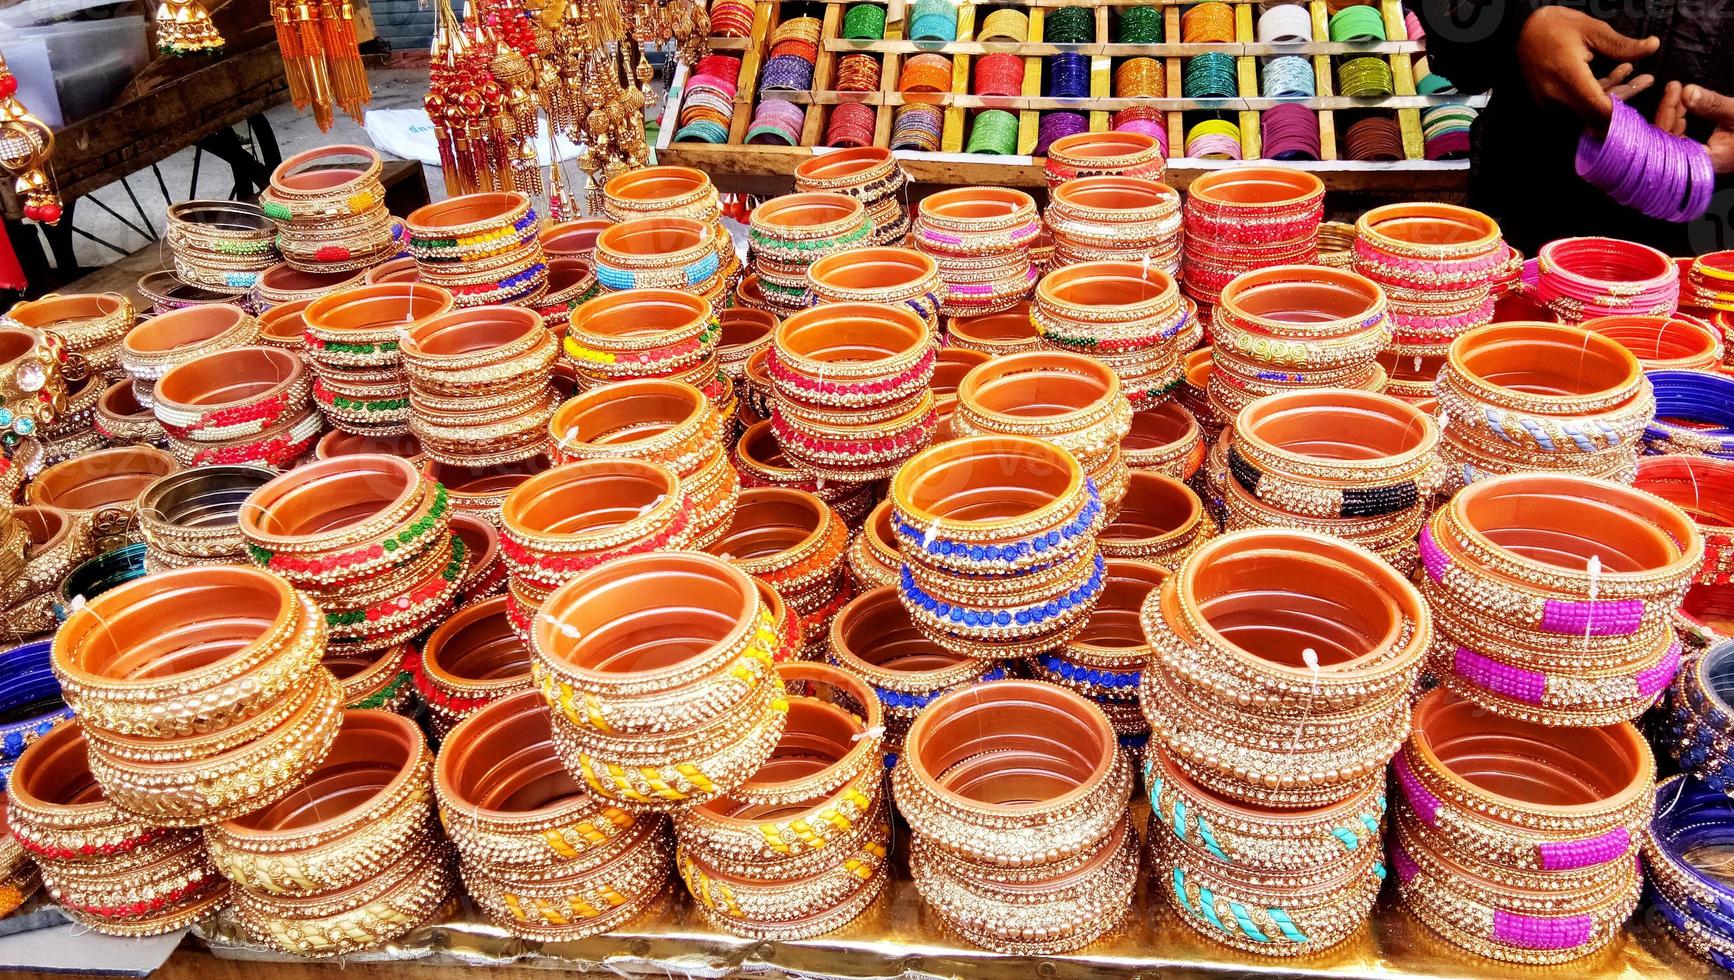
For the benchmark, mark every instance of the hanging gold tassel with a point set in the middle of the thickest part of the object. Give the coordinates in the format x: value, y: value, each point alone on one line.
x: 26, y: 143
x: 184, y: 27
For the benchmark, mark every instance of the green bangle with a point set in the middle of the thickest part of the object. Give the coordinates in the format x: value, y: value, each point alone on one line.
x: 1357, y: 24
x: 864, y: 22
x: 995, y: 132
x: 1434, y: 85
x: 1365, y: 78
x: 1070, y: 25
x: 1141, y: 25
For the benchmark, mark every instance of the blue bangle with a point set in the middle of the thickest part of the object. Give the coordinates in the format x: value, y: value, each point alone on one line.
x: 1692, y: 396
x: 1698, y: 907
x: 30, y: 702
x: 1696, y: 723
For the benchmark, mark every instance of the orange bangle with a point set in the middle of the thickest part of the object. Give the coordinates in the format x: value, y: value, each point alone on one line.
x: 925, y: 73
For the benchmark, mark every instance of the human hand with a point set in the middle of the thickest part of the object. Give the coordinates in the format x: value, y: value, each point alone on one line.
x: 1719, y: 109
x: 1555, y: 50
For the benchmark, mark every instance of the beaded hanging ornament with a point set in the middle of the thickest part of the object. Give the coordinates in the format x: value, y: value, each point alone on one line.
x: 26, y: 143
x: 481, y: 100
x: 184, y: 27
x: 321, y: 59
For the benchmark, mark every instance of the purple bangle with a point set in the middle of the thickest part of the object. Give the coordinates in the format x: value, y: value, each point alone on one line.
x: 1055, y: 125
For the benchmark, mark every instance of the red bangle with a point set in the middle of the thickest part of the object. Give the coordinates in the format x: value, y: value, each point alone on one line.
x: 999, y: 74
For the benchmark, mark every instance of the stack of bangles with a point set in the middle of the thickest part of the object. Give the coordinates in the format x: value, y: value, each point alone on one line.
x: 1689, y: 827
x: 647, y: 333
x: 470, y: 661
x: 352, y: 344
x: 663, y: 253
x: 875, y: 638
x: 981, y: 238
x: 993, y: 132
x: 1103, y: 662
x: 1436, y: 263
x: 790, y: 62
x: 1140, y: 78
x: 1115, y: 217
x: 283, y: 283
x: 571, y: 282
x: 886, y: 276
x: 1694, y: 415
x: 798, y: 851
x: 1166, y: 439
x: 1376, y: 138
x: 1211, y: 75
x: 1211, y: 22
x: 92, y: 326
x: 1247, y: 218
x: 479, y: 385
x: 1357, y: 23
x: 1041, y: 552
x: 691, y: 724
x: 114, y: 873
x: 761, y: 462
x: 484, y: 568
x: 192, y: 517
x: 1055, y: 126
x: 1693, y: 721
x: 642, y: 508
x: 870, y: 175
x: 852, y: 390
x: 916, y: 126
x: 659, y: 421
x: 792, y: 541
x: 1048, y: 873
x: 1288, y: 76
x: 1515, y: 841
x: 1256, y: 749
x: 370, y: 870
x: 1126, y: 154
x: 1664, y: 343
x: 1445, y: 130
x: 1068, y: 398
x: 999, y: 74
x: 731, y: 18
x: 1708, y: 286
x: 199, y: 692
x: 1647, y: 169
x: 933, y: 20
x: 790, y: 233
x: 1294, y: 327
x: 486, y: 249
x: 1529, y: 397
x: 1374, y: 487
x: 851, y: 125
x: 385, y: 572
x: 1126, y: 315
x: 154, y: 346
x: 30, y: 702
x: 667, y: 192
x: 710, y: 98
x: 1144, y: 120
x: 776, y: 121
x: 1703, y: 487
x: 243, y: 405
x: 330, y: 218
x: 1586, y: 278
x: 1213, y: 139
x: 1366, y: 77
x: 743, y: 332
x: 55, y: 542
x: 857, y: 72
x: 923, y: 73
x: 1290, y: 132
x: 1561, y: 640
x: 541, y: 857
x: 1161, y: 519
x: 221, y: 244
x: 1140, y: 25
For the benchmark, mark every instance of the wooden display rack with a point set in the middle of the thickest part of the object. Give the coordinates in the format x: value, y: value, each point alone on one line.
x: 951, y: 165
